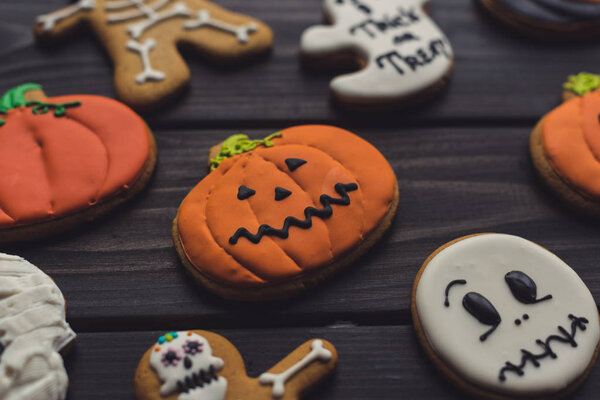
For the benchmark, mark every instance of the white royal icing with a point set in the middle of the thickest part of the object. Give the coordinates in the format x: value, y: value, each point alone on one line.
x: 184, y: 363
x: 50, y: 20
x: 148, y: 73
x: 404, y: 50
x: 317, y: 353
x: 204, y: 19
x: 484, y: 261
x: 32, y: 331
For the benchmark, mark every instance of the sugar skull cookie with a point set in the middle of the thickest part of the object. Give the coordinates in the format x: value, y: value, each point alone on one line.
x: 565, y: 145
x: 402, y: 55
x: 142, y: 38
x: 504, y: 318
x: 200, y: 365
x: 278, y: 215
x: 66, y: 160
x: 564, y: 19
x: 32, y: 332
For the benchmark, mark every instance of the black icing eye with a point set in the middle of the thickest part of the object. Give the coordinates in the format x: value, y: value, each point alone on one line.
x: 245, y: 192
x: 281, y: 193
x: 523, y: 287
x: 484, y: 311
x: 294, y: 163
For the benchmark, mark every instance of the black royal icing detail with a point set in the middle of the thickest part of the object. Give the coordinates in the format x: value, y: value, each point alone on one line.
x: 371, y: 27
x: 245, y: 192
x: 576, y: 323
x: 420, y: 59
x: 294, y: 163
x: 360, y: 5
x: 326, y: 212
x: 187, y: 362
x: 523, y: 287
x: 447, y: 291
x: 554, y: 11
x: 405, y: 37
x: 197, y: 380
x: 281, y: 193
x: 484, y: 311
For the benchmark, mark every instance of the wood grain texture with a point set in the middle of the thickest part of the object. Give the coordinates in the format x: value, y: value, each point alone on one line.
x: 497, y: 74
x: 375, y: 363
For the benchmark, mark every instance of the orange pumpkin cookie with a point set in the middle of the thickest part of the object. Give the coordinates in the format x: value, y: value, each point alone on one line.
x: 203, y: 365
x: 66, y: 160
x: 281, y: 214
x: 565, y: 145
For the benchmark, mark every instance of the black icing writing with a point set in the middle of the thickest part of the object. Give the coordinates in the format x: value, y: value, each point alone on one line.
x: 197, y: 380
x: 523, y: 287
x: 405, y: 37
x: 372, y: 27
x: 1, y: 350
x: 309, y: 212
x: 484, y: 311
x: 358, y: 4
x: 421, y: 58
x: 447, y: 291
x: 577, y: 323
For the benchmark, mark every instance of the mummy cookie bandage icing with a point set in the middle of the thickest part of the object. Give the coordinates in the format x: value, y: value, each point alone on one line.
x: 33, y: 331
x: 141, y: 37
x: 66, y: 160
x: 277, y: 215
x: 404, y: 52
x: 200, y: 365
x: 503, y: 316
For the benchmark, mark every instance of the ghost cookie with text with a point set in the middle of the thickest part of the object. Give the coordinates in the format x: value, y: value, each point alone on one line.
x: 200, y: 365
x: 402, y: 56
x: 557, y: 19
x: 67, y: 160
x: 565, y: 145
x: 33, y: 331
x: 280, y: 214
x: 504, y: 318
x: 142, y: 39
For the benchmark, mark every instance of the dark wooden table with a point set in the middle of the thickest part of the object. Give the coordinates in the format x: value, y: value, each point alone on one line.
x: 462, y: 162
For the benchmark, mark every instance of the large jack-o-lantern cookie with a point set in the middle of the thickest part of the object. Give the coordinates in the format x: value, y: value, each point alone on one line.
x: 66, y: 160
x: 504, y: 318
x: 565, y: 145
x: 281, y: 214
x: 33, y: 331
x: 403, y: 56
x: 200, y: 365
x: 142, y: 38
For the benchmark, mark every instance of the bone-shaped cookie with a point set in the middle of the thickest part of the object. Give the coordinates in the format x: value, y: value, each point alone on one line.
x: 200, y: 365
x: 141, y: 38
x: 403, y: 55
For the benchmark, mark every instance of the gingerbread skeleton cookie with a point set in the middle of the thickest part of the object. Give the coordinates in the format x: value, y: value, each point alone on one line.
x: 66, y: 160
x: 281, y: 214
x: 141, y: 37
x: 565, y: 145
x: 32, y: 332
x: 404, y: 57
x: 200, y: 365
x: 502, y: 317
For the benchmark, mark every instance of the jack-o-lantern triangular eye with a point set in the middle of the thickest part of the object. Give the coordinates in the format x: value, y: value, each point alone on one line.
x: 245, y: 192
x: 281, y: 193
x: 294, y: 163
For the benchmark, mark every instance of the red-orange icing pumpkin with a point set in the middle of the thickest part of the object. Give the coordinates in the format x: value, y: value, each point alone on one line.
x: 275, y: 213
x: 61, y: 155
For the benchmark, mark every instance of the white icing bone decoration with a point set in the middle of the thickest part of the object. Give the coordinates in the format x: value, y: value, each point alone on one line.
x: 178, y: 10
x: 148, y: 74
x: 204, y: 19
x: 317, y: 353
x: 49, y: 20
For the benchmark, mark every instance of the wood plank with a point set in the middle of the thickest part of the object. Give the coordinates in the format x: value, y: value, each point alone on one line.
x: 122, y: 272
x: 375, y: 363
x: 498, y: 74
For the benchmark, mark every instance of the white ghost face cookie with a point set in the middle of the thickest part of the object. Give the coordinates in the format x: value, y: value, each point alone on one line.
x: 503, y: 316
x: 406, y: 56
x: 32, y: 332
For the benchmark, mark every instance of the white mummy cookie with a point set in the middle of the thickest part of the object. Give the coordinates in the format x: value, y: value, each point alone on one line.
x: 405, y: 53
x: 32, y: 332
x: 502, y: 315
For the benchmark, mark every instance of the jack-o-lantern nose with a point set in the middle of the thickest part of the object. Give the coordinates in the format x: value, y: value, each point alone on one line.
x: 281, y: 193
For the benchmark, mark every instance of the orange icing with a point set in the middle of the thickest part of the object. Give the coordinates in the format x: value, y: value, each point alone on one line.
x: 211, y: 213
x: 54, y: 166
x: 571, y: 141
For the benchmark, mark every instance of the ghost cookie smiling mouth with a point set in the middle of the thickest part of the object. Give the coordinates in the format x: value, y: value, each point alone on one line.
x: 502, y: 317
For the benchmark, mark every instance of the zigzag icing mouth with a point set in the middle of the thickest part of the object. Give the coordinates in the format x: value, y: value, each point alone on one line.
x: 197, y: 379
x: 266, y: 230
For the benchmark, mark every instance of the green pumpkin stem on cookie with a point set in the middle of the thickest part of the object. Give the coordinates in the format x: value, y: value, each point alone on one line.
x: 582, y: 83
x: 238, y: 144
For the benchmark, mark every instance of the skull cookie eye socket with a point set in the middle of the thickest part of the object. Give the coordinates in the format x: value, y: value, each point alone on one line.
x: 294, y: 163
x: 523, y: 288
x: 193, y: 347
x: 171, y: 357
x: 483, y: 310
x: 244, y: 192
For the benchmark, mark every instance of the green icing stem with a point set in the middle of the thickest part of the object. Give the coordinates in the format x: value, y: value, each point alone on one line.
x: 60, y: 109
x: 238, y: 144
x: 582, y: 83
